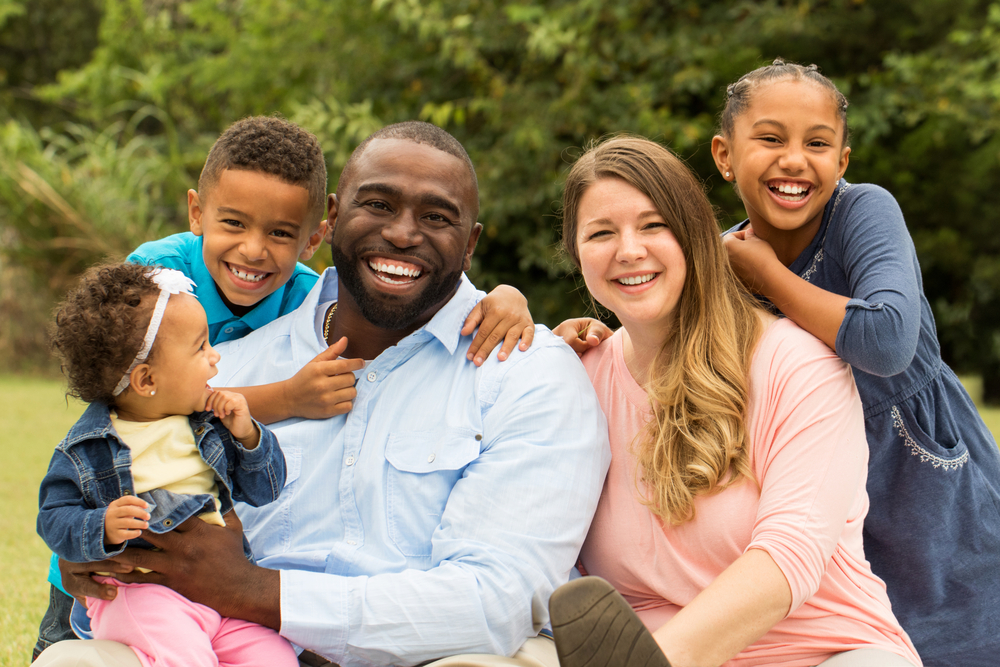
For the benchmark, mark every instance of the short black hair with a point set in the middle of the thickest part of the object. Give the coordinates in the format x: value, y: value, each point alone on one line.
x: 418, y: 132
x: 271, y: 145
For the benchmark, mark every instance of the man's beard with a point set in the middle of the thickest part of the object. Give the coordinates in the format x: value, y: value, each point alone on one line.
x: 379, y: 309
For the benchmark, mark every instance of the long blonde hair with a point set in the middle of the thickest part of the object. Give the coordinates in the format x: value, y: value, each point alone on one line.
x: 697, y: 442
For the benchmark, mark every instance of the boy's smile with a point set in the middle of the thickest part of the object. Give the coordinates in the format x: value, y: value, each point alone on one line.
x: 255, y: 227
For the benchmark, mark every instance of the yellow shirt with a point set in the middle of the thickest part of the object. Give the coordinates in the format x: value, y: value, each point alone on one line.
x: 165, y: 456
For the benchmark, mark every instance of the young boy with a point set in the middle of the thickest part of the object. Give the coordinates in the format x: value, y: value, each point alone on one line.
x: 258, y: 210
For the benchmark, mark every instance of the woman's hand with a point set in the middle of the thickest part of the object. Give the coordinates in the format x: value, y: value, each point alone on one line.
x: 502, y: 315
x: 582, y: 333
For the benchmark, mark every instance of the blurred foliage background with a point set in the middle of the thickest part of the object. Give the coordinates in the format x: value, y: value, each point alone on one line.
x: 108, y: 108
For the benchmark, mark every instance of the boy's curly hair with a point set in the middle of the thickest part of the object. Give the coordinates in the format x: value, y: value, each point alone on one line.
x: 100, y: 327
x: 274, y: 146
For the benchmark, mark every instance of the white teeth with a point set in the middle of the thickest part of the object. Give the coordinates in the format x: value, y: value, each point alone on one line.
x: 787, y: 189
x: 392, y: 269
x: 637, y: 280
x: 249, y: 277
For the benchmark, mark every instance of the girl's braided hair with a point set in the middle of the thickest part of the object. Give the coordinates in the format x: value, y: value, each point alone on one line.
x: 738, y: 94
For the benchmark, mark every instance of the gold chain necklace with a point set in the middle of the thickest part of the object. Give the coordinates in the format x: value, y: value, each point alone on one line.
x: 326, y: 324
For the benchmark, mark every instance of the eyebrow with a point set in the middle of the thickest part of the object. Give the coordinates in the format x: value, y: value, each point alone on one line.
x: 776, y: 123
x: 436, y: 201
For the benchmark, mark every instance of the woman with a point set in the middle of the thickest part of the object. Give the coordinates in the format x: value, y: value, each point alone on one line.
x: 731, y: 517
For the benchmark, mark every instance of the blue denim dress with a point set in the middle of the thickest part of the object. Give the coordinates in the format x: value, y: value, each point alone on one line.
x: 933, y: 529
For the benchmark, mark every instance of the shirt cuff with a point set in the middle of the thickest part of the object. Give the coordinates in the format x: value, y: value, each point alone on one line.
x: 314, y: 611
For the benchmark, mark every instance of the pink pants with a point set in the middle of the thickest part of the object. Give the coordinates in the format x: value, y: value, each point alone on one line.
x: 165, y: 629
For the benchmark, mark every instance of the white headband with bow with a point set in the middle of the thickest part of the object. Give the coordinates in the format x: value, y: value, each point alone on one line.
x: 170, y: 281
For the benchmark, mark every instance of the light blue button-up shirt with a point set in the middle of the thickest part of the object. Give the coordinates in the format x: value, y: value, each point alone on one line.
x: 438, y: 515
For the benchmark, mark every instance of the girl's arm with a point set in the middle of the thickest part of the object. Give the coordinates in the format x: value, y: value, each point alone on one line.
x: 816, y: 310
x: 876, y: 327
x: 502, y: 315
x: 735, y: 610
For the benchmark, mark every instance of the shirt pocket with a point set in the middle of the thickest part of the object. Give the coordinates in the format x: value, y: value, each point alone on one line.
x: 423, y: 468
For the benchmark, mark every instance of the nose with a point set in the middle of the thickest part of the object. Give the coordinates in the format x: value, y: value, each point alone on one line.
x: 630, y: 248
x: 793, y: 159
x: 213, y: 356
x: 253, y: 247
x: 403, y: 230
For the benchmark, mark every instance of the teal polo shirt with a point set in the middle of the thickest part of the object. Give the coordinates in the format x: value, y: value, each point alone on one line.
x: 184, y: 253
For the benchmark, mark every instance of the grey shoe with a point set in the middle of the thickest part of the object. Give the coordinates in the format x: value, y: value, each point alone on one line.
x: 595, y: 627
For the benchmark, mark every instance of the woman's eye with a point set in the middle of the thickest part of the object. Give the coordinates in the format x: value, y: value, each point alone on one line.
x: 598, y: 234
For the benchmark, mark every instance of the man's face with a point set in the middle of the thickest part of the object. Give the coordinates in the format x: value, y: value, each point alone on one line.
x: 403, y: 231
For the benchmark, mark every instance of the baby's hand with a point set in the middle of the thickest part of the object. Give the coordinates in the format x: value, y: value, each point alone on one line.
x: 501, y: 316
x: 749, y: 255
x: 582, y: 333
x: 231, y: 408
x: 324, y: 387
x: 124, y: 519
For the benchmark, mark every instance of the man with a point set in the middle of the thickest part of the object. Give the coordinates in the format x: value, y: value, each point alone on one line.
x: 436, y: 517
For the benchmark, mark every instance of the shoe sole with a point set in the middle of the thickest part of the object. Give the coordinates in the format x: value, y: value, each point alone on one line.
x: 594, y: 626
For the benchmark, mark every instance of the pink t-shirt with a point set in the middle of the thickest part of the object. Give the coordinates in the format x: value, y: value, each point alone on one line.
x: 809, y: 455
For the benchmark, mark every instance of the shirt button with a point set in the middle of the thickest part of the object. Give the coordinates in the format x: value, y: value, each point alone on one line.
x: 372, y: 376
x: 351, y: 542
x: 349, y: 461
x: 228, y: 330
x: 479, y: 436
x: 430, y: 459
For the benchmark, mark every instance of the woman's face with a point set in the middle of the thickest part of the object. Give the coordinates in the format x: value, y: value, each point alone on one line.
x: 630, y: 260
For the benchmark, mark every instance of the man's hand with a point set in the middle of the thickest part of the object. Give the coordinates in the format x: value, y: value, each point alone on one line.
x: 205, y: 563
x: 124, y: 519
x: 77, y: 579
x: 582, y: 333
x: 502, y: 315
x: 324, y: 387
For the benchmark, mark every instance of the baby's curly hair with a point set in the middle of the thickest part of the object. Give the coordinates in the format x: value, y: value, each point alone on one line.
x: 274, y: 146
x: 100, y: 327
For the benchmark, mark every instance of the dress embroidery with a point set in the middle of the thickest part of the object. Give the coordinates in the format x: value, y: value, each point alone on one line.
x: 818, y: 257
x: 917, y: 450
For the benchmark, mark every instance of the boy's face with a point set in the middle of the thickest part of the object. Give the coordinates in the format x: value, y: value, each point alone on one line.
x: 255, y: 228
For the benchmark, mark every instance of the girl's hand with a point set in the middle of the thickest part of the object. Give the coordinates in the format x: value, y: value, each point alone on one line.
x: 124, y: 519
x: 501, y: 316
x: 232, y: 409
x: 582, y: 333
x: 749, y: 255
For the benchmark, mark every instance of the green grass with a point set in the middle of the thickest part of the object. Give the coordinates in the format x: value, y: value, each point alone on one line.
x: 34, y: 416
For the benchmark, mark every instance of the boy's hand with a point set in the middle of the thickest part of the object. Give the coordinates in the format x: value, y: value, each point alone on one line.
x: 501, y: 316
x: 231, y: 407
x: 749, y: 255
x: 582, y: 333
x: 124, y: 519
x: 325, y: 386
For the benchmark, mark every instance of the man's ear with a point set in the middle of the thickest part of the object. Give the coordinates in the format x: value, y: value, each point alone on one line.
x: 313, y: 243
x: 722, y: 157
x: 194, y: 212
x: 470, y: 247
x: 332, y: 205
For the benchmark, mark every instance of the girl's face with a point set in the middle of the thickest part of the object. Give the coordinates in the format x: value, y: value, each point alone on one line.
x: 183, y: 361
x: 630, y: 260
x: 786, y: 154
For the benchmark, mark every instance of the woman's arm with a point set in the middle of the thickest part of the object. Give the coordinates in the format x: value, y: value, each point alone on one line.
x: 735, y: 610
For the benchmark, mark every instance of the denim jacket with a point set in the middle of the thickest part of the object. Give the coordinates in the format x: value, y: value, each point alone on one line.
x: 91, y: 467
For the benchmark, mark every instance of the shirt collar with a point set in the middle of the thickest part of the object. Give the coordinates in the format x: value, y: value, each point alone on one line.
x: 444, y: 326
